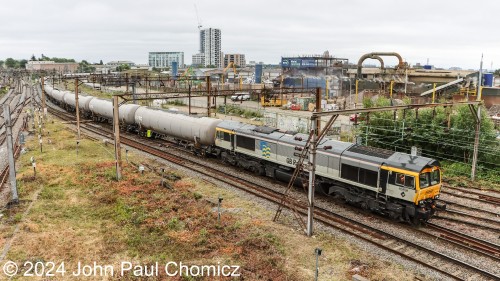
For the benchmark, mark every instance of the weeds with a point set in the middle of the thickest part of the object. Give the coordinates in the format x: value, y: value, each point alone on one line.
x: 235, y: 110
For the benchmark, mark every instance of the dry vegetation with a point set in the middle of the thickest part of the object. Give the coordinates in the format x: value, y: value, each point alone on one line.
x: 83, y: 214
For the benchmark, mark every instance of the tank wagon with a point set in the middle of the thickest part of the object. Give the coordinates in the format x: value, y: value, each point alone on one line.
x: 56, y: 96
x: 398, y: 185
x: 199, y: 130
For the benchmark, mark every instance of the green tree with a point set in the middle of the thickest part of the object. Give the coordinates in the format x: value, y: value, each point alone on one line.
x: 1, y: 63
x: 122, y: 67
x: 33, y: 57
x: 10, y: 63
x: 22, y: 63
x: 430, y: 132
x: 497, y: 72
x: 85, y: 67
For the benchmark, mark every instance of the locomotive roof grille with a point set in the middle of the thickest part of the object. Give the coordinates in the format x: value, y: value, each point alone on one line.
x: 371, y: 151
x: 264, y: 129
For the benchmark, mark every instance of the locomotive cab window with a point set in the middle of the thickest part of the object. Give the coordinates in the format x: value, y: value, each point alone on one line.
x: 429, y: 178
x: 404, y: 180
x: 424, y: 180
x: 220, y: 135
x: 435, y: 177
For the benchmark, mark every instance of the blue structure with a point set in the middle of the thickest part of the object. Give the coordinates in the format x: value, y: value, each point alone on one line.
x: 307, y: 82
x: 258, y: 73
x: 488, y: 79
x: 175, y: 68
x: 311, y: 62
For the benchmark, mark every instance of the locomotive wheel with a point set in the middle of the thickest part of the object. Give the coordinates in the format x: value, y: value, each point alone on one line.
x: 416, y: 222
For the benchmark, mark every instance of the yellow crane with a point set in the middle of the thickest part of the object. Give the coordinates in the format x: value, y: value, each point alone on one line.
x: 229, y: 65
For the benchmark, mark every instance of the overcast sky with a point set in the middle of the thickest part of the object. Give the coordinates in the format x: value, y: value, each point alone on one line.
x: 448, y: 33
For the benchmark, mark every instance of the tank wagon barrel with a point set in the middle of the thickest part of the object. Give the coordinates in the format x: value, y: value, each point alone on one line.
x: 55, y: 94
x: 195, y: 129
x: 102, y: 108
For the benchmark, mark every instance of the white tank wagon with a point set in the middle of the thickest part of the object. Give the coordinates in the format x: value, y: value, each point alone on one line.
x: 101, y: 108
x: 69, y: 99
x: 84, y: 101
x: 195, y: 129
x: 55, y: 94
x: 104, y: 108
x: 127, y: 113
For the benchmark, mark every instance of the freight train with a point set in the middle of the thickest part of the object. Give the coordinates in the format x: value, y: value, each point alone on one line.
x: 398, y: 185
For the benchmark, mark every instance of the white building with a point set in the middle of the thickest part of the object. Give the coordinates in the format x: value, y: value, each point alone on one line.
x: 210, y: 46
x: 198, y: 59
x: 114, y: 64
x: 165, y: 59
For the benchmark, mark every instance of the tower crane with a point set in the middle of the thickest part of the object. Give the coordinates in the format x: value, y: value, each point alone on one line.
x: 198, y: 17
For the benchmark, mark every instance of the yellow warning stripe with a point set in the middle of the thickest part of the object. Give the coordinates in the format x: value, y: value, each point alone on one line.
x: 225, y: 130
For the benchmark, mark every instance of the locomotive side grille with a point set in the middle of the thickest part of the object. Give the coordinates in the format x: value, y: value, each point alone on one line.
x: 371, y: 151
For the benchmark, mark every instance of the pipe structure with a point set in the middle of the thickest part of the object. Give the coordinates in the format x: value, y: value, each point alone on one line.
x: 382, y: 66
x: 376, y: 55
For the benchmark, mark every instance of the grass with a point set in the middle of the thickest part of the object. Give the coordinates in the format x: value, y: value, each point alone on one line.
x: 82, y: 88
x: 3, y: 91
x: 83, y: 214
x: 458, y: 174
x: 235, y: 110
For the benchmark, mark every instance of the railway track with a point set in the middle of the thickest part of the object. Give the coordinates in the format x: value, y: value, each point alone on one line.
x: 471, y: 243
x: 446, y: 265
x: 4, y: 174
x: 470, y: 208
x: 480, y: 196
x: 489, y: 224
x: 15, y: 112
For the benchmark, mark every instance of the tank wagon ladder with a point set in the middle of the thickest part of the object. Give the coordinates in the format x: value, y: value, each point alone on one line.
x: 286, y: 200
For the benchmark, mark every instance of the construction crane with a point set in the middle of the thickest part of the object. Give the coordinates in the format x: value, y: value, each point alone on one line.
x: 229, y: 65
x: 198, y: 17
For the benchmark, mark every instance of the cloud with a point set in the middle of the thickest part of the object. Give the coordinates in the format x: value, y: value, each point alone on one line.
x: 449, y: 33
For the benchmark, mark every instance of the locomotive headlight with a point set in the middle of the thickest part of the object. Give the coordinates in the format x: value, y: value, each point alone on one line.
x: 436, y: 197
x: 421, y: 202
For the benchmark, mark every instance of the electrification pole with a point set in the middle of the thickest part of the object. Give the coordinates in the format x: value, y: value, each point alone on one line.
x: 77, y: 109
x: 315, y: 123
x: 312, y: 178
x: 116, y: 129
x: 208, y: 95
x: 44, y: 108
x: 478, y: 121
